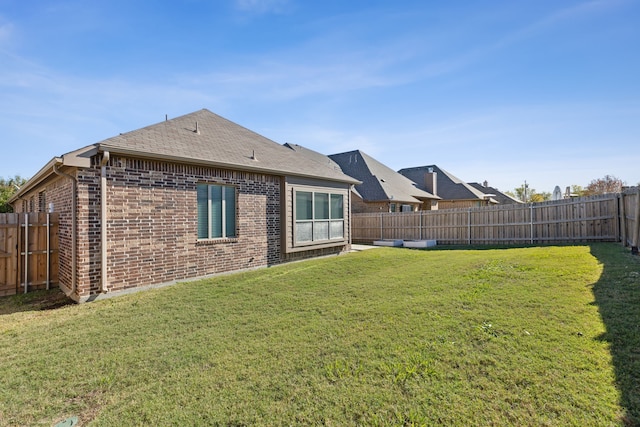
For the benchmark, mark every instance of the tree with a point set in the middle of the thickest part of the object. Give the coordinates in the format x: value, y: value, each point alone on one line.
x: 577, y: 190
x: 8, y: 188
x: 608, y: 184
x: 528, y: 194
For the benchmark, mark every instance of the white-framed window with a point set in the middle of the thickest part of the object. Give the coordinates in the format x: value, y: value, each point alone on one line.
x: 216, y: 211
x: 319, y: 216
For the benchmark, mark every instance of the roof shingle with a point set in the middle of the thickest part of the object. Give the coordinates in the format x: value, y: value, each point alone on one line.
x: 205, y: 138
x: 379, y: 182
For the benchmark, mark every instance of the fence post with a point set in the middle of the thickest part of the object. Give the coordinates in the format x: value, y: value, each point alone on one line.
x: 636, y: 225
x: 381, y: 226
x: 531, y: 221
x: 623, y: 220
x: 469, y: 225
x: 26, y: 252
x: 48, y: 250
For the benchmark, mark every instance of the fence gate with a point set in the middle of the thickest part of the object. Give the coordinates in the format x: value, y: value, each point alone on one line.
x: 28, y: 252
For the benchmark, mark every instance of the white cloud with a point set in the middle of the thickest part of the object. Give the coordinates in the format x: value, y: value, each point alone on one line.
x: 262, y: 6
x: 6, y: 33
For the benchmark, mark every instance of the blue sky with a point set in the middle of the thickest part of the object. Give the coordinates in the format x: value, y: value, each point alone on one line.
x: 503, y: 91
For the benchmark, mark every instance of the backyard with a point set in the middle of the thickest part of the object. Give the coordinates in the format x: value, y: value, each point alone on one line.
x: 478, y: 336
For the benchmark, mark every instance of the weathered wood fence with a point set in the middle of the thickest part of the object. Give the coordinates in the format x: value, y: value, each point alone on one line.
x: 608, y: 218
x: 28, y: 252
x: 629, y: 213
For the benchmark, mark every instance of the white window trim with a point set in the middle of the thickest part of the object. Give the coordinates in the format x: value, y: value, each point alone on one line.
x: 329, y: 241
x: 224, y: 236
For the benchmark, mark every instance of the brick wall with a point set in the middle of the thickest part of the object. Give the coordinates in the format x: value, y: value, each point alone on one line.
x: 359, y: 206
x: 458, y: 204
x: 152, y: 224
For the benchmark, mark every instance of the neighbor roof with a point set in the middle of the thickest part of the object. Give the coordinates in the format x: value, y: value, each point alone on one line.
x: 314, y: 155
x: 499, y: 196
x: 379, y: 182
x: 449, y: 187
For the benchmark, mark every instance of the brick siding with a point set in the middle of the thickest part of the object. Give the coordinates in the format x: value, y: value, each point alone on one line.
x: 152, y: 224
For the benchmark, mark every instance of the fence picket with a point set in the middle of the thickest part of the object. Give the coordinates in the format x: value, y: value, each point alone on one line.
x: 609, y: 217
x: 42, y: 262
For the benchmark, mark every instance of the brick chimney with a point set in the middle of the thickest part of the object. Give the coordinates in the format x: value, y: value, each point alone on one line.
x: 431, y: 181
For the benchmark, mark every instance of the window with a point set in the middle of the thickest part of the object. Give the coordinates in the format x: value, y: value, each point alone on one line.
x: 216, y: 211
x: 42, y: 201
x: 319, y: 216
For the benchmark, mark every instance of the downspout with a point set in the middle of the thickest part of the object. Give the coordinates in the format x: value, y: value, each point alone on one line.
x: 350, y: 216
x: 74, y: 225
x: 103, y: 219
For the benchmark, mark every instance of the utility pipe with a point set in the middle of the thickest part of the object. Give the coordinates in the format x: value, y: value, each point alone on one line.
x: 74, y: 226
x: 103, y: 219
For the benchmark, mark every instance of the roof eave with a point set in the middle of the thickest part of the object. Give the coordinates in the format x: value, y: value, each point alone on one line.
x: 41, y: 175
x: 80, y: 158
x: 225, y: 165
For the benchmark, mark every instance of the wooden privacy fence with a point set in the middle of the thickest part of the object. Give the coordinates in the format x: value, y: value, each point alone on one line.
x: 585, y: 219
x: 630, y: 218
x: 28, y: 252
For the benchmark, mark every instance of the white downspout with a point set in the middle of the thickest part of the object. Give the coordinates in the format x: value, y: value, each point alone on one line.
x: 74, y: 226
x: 103, y: 219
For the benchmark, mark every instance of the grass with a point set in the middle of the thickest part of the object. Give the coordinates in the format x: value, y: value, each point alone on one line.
x: 528, y: 336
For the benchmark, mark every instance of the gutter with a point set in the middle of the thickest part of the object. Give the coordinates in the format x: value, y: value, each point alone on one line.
x: 80, y: 158
x: 40, y: 176
x: 103, y: 220
x: 74, y: 226
x: 235, y: 166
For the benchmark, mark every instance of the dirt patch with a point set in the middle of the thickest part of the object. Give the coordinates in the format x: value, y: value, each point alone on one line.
x: 34, y: 301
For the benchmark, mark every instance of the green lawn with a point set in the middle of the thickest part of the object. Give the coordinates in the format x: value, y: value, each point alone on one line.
x: 525, y: 336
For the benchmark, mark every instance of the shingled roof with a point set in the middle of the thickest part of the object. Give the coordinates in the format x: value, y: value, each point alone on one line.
x: 499, y: 196
x: 314, y: 155
x: 379, y: 182
x: 203, y: 137
x: 449, y: 187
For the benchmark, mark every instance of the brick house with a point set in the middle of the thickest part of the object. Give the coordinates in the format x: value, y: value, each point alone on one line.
x: 453, y: 192
x: 381, y: 189
x: 188, y: 197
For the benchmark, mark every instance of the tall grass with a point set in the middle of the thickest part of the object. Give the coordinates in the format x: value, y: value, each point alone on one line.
x: 381, y: 337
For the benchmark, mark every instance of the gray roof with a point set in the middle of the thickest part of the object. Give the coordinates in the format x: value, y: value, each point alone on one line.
x: 379, y: 182
x: 203, y: 137
x: 314, y: 155
x: 449, y: 187
x: 499, y: 196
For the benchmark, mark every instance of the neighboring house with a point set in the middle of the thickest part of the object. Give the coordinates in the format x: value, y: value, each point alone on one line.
x: 381, y: 189
x: 494, y: 193
x: 188, y: 197
x: 314, y: 155
x: 454, y: 193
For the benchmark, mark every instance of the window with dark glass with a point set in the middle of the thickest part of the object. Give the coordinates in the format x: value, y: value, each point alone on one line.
x: 319, y: 216
x: 216, y: 211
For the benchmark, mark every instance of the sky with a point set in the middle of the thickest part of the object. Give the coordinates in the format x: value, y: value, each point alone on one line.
x: 542, y: 91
